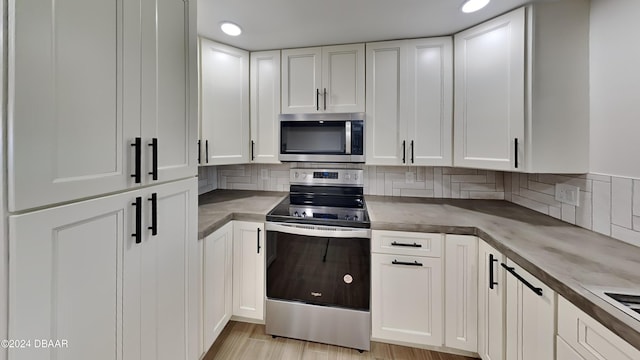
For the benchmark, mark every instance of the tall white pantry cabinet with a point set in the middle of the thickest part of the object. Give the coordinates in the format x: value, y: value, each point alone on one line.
x: 102, y: 200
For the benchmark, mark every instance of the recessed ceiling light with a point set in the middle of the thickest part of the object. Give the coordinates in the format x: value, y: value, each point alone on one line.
x: 474, y: 5
x: 230, y: 28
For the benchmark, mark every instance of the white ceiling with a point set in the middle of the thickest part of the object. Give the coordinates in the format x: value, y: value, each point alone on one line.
x: 278, y: 24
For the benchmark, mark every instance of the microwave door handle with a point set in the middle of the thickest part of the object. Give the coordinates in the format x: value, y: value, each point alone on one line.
x: 347, y: 137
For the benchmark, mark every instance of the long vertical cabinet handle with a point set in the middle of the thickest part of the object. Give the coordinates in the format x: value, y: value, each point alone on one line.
x: 138, y: 151
x: 317, y: 99
x: 154, y: 158
x: 199, y: 152
x: 253, y: 145
x: 516, y: 153
x: 404, y: 151
x: 324, y: 97
x: 154, y: 214
x: 258, y: 240
x: 412, y: 152
x: 206, y: 151
x: 138, y: 233
x: 492, y: 282
x: 513, y: 272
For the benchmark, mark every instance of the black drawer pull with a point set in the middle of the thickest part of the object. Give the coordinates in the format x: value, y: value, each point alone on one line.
x: 406, y: 245
x: 513, y: 272
x: 258, y: 240
x: 199, y: 152
x: 138, y: 154
x: 154, y: 214
x: 415, y: 263
x: 404, y: 151
x: 138, y: 233
x: 154, y: 158
x: 492, y: 259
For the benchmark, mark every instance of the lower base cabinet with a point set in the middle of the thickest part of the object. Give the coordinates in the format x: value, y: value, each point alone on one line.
x: 248, y: 270
x: 78, y: 276
x: 580, y: 337
x: 216, y: 284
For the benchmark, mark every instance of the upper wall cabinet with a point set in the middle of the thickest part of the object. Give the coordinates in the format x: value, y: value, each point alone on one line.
x: 326, y: 79
x: 94, y: 105
x: 521, y: 90
x: 224, y: 104
x: 409, y: 102
x: 265, y: 106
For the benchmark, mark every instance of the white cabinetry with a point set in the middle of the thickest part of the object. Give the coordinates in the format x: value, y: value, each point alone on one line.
x: 521, y: 90
x: 217, y: 283
x: 323, y: 79
x: 530, y: 312
x: 491, y: 294
x: 248, y: 270
x: 265, y: 106
x: 84, y: 84
x: 586, y: 339
x: 224, y: 104
x: 78, y: 267
x: 410, y: 95
x: 461, y: 292
x: 406, y: 290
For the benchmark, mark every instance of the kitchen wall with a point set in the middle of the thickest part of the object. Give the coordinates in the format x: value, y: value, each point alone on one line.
x: 420, y: 181
x: 609, y: 205
x: 207, y: 179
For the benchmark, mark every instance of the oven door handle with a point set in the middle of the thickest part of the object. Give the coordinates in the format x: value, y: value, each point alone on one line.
x: 347, y: 137
x: 318, y: 230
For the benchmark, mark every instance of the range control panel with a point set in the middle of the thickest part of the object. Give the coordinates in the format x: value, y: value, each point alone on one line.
x: 348, y: 177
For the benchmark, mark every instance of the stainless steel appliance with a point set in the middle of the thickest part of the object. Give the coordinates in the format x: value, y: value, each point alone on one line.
x: 322, y: 137
x: 319, y: 260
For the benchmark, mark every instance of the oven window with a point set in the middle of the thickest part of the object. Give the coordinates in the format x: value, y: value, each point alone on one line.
x: 319, y: 270
x: 312, y: 137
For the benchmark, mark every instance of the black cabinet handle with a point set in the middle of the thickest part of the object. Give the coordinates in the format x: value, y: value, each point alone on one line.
x: 516, y: 154
x: 415, y: 263
x: 412, y: 151
x: 138, y: 233
x: 404, y: 151
x: 206, y: 150
x: 513, y: 272
x: 492, y: 259
x: 154, y: 158
x: 317, y: 99
x: 154, y: 214
x: 406, y: 245
x: 138, y: 151
x: 253, y: 144
x: 325, y: 98
x: 198, y: 151
x: 258, y: 240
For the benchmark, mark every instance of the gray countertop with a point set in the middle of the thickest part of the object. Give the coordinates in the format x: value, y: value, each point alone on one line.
x: 563, y: 256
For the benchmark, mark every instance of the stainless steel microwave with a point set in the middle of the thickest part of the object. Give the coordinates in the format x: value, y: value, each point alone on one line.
x: 322, y: 137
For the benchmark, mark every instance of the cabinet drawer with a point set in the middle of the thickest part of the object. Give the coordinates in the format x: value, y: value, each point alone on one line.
x: 590, y: 338
x: 406, y: 243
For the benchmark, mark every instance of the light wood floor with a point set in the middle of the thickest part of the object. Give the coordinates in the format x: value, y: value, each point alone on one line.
x: 243, y: 341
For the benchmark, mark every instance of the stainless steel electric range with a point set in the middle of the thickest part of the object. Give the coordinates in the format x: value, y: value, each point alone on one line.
x: 319, y: 260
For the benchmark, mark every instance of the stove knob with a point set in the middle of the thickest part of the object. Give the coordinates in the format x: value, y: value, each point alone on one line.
x: 355, y: 217
x: 296, y: 175
x: 355, y: 176
x: 346, y: 217
x: 296, y: 214
x: 304, y: 214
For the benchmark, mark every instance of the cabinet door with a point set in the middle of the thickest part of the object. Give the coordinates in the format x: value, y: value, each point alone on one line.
x: 65, y: 279
x: 161, y: 306
x: 565, y: 352
x: 248, y: 270
x: 265, y: 106
x: 461, y: 292
x: 343, y: 78
x: 301, y: 80
x: 489, y: 93
x: 72, y: 113
x: 217, y: 290
x: 406, y: 299
x: 224, y: 107
x: 168, y: 107
x: 386, y: 103
x: 530, y: 327
x: 430, y: 101
x: 491, y: 292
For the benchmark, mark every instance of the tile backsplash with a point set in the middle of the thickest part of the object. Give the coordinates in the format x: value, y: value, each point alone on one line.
x: 420, y: 181
x: 608, y: 205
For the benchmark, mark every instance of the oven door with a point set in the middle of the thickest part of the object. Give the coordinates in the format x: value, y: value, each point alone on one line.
x: 319, y: 265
